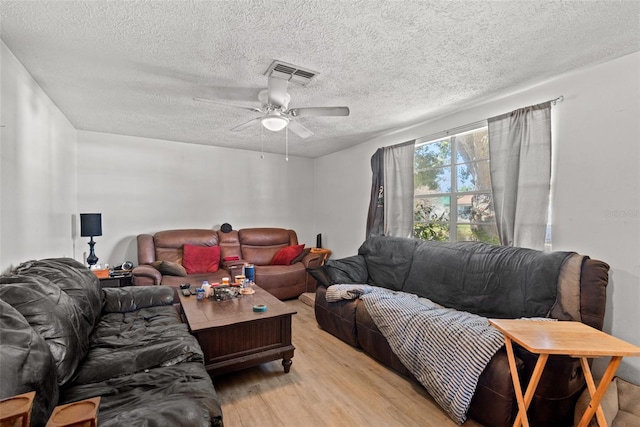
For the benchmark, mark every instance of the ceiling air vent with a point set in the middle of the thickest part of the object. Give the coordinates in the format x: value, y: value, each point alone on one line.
x: 290, y: 72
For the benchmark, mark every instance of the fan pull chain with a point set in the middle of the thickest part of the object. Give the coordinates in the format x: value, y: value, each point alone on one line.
x: 262, y: 142
x: 286, y: 144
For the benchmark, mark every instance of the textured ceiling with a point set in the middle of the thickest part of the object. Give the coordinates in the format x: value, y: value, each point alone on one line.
x: 133, y: 67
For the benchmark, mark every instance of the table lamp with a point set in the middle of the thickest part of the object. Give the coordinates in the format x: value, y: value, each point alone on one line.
x: 90, y: 226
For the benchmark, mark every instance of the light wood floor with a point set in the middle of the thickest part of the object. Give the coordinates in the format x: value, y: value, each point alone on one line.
x: 330, y: 384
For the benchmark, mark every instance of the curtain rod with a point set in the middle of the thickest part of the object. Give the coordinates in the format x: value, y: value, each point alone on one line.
x: 481, y: 123
x: 464, y: 128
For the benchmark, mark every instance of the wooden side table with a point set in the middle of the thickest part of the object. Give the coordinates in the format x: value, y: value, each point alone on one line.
x: 15, y: 411
x: 326, y: 253
x: 574, y: 339
x: 116, y: 281
x: 83, y: 413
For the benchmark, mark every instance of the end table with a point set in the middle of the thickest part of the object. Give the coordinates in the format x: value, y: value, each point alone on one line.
x: 117, y: 281
x: 574, y: 339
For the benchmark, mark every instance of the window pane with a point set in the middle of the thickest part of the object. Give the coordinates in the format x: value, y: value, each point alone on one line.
x: 431, y: 218
x: 475, y: 176
x: 472, y: 146
x: 433, y: 154
x: 432, y: 181
x: 476, y: 218
x: 436, y: 182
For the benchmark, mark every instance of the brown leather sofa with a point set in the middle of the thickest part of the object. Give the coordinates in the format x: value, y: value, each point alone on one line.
x: 250, y: 245
x: 445, y: 273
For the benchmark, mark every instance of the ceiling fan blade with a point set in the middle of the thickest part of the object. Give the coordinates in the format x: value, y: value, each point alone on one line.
x: 226, y: 104
x: 247, y: 124
x: 299, y: 130
x: 319, y: 111
x: 278, y: 95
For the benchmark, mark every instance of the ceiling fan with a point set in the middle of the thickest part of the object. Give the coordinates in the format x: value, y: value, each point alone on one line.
x: 275, y: 111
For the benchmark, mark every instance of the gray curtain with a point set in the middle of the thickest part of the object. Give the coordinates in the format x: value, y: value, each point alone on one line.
x: 520, y: 152
x: 375, y: 217
x: 398, y: 189
x: 391, y: 204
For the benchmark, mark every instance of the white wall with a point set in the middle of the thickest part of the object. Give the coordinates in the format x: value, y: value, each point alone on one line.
x: 38, y: 185
x: 143, y: 185
x: 596, y: 181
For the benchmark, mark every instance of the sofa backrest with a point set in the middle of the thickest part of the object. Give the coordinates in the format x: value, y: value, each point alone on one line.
x: 229, y: 244
x: 75, y: 280
x: 259, y: 245
x: 61, y: 301
x: 256, y: 245
x: 53, y: 315
x: 388, y: 260
x: 489, y: 280
x: 26, y: 364
x: 168, y: 245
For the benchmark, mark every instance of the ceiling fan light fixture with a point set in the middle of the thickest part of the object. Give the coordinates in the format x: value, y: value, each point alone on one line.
x: 274, y: 122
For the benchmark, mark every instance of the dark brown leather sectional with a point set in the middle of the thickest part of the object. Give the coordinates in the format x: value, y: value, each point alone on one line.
x: 252, y: 245
x: 410, y: 266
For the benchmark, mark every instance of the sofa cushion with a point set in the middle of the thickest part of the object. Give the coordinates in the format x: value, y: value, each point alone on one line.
x: 170, y: 268
x: 286, y: 255
x: 27, y: 364
x: 53, y: 315
x: 388, y: 260
x: 180, y: 395
x: 145, y: 339
x: 201, y: 259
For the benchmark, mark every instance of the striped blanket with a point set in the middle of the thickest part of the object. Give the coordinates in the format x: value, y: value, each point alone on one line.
x: 445, y: 349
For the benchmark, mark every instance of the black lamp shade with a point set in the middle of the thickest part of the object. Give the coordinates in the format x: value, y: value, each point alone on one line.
x: 90, y: 224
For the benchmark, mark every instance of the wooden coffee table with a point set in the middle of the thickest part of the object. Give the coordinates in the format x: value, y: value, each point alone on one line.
x: 234, y: 337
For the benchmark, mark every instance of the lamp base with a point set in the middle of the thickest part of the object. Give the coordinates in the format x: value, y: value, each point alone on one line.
x: 92, y: 259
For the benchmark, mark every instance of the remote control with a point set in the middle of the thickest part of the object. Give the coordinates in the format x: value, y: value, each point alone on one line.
x: 186, y: 292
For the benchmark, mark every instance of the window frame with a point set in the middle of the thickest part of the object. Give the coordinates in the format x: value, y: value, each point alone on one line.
x: 454, y: 193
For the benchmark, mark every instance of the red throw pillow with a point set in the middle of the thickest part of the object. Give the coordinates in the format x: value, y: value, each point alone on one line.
x: 201, y: 259
x: 285, y: 255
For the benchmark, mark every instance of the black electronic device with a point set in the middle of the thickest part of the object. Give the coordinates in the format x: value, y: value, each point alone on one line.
x: 319, y: 240
x: 185, y: 285
x: 186, y: 292
x: 125, y: 266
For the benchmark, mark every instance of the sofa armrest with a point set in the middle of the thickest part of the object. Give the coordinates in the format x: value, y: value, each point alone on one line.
x: 132, y: 298
x: 311, y: 261
x: 145, y: 275
x: 146, y: 249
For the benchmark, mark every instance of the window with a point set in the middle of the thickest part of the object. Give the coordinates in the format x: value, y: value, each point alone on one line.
x: 452, y: 174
